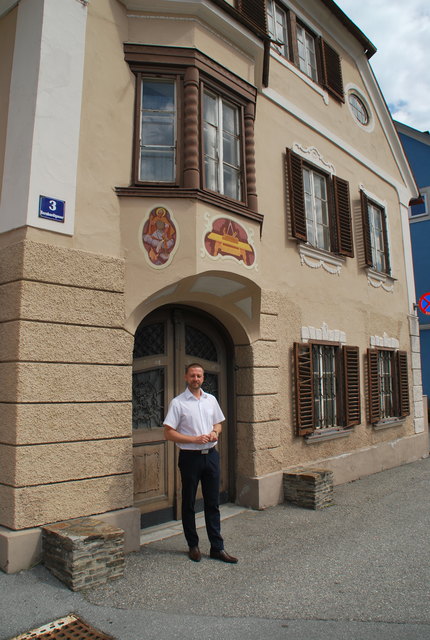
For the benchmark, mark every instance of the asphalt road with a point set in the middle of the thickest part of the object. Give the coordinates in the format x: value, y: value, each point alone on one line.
x: 359, y: 569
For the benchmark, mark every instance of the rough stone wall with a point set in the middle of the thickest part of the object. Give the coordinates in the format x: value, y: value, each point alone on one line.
x: 65, y: 385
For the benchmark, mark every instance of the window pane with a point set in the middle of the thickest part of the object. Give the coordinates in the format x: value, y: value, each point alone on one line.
x: 230, y: 149
x: 229, y: 118
x: 231, y: 182
x: 157, y: 165
x: 158, y: 130
x: 210, y: 140
x: 211, y: 174
x: 210, y: 111
x: 158, y: 95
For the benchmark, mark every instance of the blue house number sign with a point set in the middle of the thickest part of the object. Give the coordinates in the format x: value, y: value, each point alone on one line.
x: 51, y: 208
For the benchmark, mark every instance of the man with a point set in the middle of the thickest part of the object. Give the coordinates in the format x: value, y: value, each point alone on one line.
x: 193, y: 422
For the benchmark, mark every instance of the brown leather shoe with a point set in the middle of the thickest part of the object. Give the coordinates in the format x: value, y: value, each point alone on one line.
x: 194, y: 554
x: 223, y: 556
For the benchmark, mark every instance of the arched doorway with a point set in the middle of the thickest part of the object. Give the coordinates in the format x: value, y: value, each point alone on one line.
x: 165, y: 342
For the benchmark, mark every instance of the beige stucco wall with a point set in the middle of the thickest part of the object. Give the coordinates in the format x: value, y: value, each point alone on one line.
x: 7, y: 39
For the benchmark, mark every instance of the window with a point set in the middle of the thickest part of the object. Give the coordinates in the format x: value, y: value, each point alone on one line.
x: 316, y: 207
x: 388, y: 384
x: 358, y: 109
x: 375, y: 235
x: 157, y: 131
x: 277, y: 26
x: 320, y: 207
x: 194, y: 119
x: 307, y: 51
x: 221, y: 143
x: 327, y: 385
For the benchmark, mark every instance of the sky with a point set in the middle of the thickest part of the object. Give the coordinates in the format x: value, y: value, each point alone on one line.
x: 400, y: 30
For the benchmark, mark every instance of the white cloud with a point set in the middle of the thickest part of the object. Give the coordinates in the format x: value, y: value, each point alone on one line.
x: 400, y: 30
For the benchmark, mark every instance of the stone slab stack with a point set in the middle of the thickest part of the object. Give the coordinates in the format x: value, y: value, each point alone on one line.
x: 312, y: 489
x: 84, y: 552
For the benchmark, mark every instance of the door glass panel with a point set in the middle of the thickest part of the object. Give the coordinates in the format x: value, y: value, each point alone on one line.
x: 210, y: 385
x: 148, y: 399
x: 149, y: 340
x: 199, y: 345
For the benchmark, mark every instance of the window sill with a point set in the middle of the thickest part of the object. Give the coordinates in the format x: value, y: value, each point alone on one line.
x: 388, y: 423
x: 316, y: 258
x: 326, y: 434
x: 209, y: 197
x: 377, y: 279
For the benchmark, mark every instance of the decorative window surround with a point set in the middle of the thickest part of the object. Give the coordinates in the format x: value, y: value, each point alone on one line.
x: 326, y: 334
x: 377, y: 280
x: 384, y: 341
x: 312, y: 155
x: 316, y: 258
x: 291, y: 67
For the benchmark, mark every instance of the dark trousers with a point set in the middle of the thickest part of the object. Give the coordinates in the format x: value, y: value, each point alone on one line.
x: 196, y: 467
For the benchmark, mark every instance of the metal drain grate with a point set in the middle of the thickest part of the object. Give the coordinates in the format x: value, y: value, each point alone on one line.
x: 69, y: 628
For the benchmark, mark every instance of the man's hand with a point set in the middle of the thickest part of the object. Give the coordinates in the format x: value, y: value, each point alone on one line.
x: 204, y: 439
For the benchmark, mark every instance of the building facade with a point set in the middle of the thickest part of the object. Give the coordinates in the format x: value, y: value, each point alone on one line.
x: 189, y: 180
x: 417, y: 148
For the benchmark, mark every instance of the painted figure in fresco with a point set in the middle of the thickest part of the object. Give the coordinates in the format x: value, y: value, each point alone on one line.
x: 159, y: 236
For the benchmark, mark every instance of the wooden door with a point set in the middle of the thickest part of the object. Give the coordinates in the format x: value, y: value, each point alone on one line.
x: 165, y: 342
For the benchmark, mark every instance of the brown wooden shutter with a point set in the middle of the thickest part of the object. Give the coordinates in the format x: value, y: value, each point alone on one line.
x: 342, y: 208
x: 294, y: 171
x: 351, y: 368
x: 254, y: 11
x: 366, y: 229
x: 403, y: 383
x: 331, y: 71
x: 373, y: 385
x: 305, y: 418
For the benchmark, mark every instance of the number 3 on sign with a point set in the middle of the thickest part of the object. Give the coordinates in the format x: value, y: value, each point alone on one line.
x: 52, y: 205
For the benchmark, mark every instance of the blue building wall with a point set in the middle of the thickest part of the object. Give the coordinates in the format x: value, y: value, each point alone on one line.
x: 417, y: 148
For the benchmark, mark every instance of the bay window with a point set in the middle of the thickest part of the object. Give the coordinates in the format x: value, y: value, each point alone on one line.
x: 193, y: 129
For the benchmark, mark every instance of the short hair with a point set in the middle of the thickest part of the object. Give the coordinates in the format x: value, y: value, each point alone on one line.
x: 193, y: 365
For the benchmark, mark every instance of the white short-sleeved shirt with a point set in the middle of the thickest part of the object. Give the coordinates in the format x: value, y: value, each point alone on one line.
x: 194, y: 417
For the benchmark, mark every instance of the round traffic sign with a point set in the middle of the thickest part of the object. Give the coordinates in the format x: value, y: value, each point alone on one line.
x: 424, y: 303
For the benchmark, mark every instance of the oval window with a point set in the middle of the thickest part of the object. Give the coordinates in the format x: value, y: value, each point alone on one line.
x: 358, y: 109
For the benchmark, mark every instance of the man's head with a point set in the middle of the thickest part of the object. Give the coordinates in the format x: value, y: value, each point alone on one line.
x: 194, y: 376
